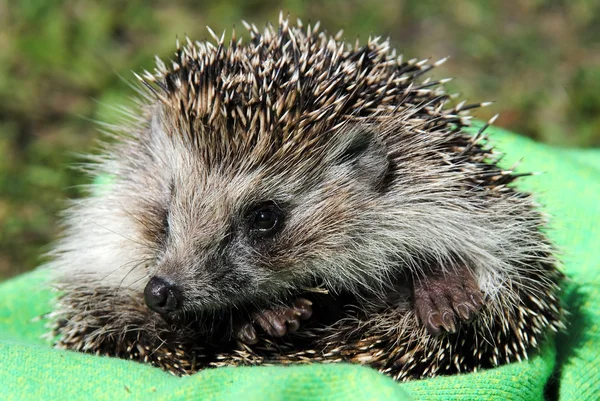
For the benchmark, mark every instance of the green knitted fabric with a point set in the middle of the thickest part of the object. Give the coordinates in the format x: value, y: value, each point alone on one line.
x: 567, y: 368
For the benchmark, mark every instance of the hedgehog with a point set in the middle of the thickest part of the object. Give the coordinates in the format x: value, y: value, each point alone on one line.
x: 298, y: 199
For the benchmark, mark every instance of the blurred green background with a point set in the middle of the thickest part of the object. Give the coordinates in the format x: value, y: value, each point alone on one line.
x: 60, y: 63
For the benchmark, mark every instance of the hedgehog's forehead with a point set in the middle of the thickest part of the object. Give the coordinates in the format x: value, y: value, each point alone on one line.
x: 222, y: 146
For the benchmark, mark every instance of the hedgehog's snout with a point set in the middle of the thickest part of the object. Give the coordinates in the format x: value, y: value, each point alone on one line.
x: 162, y: 296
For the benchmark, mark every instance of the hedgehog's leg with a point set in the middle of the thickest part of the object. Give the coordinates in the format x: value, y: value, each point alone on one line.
x: 276, y: 322
x: 440, y: 298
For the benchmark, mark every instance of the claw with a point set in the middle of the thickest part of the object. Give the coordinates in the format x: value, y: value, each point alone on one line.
x: 276, y: 322
x: 247, y: 334
x: 443, y: 300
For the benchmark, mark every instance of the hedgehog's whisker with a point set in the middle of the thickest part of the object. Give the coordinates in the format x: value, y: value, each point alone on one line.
x: 118, y: 268
x: 140, y: 262
x: 143, y: 245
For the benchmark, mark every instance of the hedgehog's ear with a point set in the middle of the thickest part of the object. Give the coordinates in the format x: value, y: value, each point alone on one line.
x: 361, y: 150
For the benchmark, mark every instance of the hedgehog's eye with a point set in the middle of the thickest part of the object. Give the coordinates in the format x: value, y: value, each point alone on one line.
x: 265, y: 219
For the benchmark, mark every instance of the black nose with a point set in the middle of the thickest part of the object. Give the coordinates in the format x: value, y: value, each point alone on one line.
x: 162, y: 296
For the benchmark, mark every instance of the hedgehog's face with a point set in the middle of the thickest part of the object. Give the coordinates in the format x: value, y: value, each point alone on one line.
x: 237, y: 235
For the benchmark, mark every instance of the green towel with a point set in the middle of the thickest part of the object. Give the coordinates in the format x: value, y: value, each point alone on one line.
x: 568, y: 366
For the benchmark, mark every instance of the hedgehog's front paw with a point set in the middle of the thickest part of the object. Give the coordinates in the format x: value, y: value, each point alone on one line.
x: 442, y: 298
x: 275, y: 322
